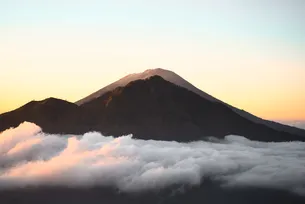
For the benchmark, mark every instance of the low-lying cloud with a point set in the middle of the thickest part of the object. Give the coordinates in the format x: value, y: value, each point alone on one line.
x: 29, y: 157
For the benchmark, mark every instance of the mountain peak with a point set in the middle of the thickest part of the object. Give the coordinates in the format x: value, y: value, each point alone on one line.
x: 51, y: 114
x: 179, y: 81
x: 51, y: 101
x: 154, y: 108
x: 155, y: 104
x: 156, y: 70
x: 165, y: 74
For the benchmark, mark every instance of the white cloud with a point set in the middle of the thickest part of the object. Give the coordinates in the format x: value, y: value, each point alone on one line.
x: 30, y: 157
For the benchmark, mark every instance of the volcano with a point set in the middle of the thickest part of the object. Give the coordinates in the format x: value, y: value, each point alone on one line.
x: 178, y: 80
x: 156, y: 104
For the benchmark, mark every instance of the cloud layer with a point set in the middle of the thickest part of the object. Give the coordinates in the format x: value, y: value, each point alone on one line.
x: 29, y: 157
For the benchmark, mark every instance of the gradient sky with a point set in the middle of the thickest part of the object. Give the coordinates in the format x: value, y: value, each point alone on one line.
x: 250, y: 54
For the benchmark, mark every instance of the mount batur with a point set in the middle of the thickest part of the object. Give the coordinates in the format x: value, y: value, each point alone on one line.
x: 156, y: 104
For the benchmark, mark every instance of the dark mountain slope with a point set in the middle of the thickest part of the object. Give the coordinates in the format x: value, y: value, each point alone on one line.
x: 149, y: 109
x: 157, y: 109
x: 178, y: 80
x: 53, y: 115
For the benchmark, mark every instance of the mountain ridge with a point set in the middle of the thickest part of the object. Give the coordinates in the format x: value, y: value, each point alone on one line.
x: 176, y: 79
x: 152, y: 108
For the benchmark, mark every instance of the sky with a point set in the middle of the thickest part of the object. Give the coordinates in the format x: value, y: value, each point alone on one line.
x: 250, y: 54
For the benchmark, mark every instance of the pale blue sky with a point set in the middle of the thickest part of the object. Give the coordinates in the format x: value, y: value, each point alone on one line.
x: 278, y: 19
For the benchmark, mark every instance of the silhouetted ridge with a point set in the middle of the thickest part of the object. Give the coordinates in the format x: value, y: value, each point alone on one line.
x: 53, y: 115
x: 178, y: 80
x: 152, y: 108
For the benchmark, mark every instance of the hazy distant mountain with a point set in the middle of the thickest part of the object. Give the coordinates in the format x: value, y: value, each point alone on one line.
x: 176, y: 79
x: 152, y: 108
x: 294, y: 123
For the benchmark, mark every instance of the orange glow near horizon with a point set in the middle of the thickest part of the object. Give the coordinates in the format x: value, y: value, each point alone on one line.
x: 269, y: 100
x: 267, y: 88
x: 246, y: 59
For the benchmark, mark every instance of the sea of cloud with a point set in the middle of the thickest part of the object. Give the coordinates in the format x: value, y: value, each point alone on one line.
x: 29, y: 157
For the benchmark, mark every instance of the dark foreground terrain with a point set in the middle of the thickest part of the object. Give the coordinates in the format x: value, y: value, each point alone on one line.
x: 208, y: 192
